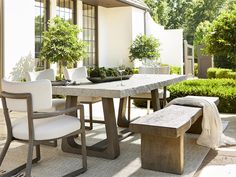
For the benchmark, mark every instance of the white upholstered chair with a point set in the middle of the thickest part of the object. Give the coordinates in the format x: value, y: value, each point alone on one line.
x: 79, y: 75
x: 36, y: 127
x: 57, y: 103
x: 147, y: 96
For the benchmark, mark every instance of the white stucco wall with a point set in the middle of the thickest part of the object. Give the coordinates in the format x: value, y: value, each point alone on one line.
x: 137, y: 22
x: 171, y: 48
x: 115, y: 35
x: 19, y: 34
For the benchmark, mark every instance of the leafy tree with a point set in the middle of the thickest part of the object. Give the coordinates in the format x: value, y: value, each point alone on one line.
x: 200, y: 11
x: 144, y: 47
x: 201, y: 32
x: 221, y: 38
x: 186, y: 14
x: 61, y: 44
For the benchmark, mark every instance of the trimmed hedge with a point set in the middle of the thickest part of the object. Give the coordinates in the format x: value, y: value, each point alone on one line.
x: 225, y: 89
x: 173, y: 69
x: 220, y: 73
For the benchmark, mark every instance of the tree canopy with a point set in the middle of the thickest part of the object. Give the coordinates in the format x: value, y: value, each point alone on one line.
x: 186, y: 14
x: 221, y: 37
x: 144, y: 47
x: 61, y: 44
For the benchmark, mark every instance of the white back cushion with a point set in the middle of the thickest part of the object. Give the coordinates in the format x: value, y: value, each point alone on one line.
x: 41, y: 91
x: 75, y: 74
x: 38, y: 75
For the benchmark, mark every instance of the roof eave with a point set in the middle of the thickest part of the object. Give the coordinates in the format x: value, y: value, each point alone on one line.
x: 135, y: 5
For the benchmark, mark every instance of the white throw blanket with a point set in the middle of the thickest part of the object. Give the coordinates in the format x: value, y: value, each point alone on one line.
x: 212, y: 132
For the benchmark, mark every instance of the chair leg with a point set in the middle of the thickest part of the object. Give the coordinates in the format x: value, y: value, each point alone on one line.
x: 52, y: 143
x: 129, y: 108
x: 91, y: 115
x: 29, y: 159
x: 90, y: 120
x: 38, y: 155
x: 23, y: 166
x: 84, y: 158
x: 84, y: 152
x: 4, y: 151
x: 148, y: 106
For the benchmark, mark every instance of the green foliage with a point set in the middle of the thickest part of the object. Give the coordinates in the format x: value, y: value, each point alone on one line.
x: 175, y: 70
x: 211, y: 73
x: 185, y: 14
x: 222, y: 34
x: 224, y: 62
x: 225, y: 89
x: 195, y: 69
x: 220, y: 73
x: 61, y: 44
x: 135, y: 70
x: 144, y: 47
x: 200, y: 33
x: 103, y: 72
x: 231, y: 75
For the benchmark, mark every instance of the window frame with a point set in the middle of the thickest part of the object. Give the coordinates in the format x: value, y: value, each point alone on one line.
x: 46, y: 13
x: 95, y: 18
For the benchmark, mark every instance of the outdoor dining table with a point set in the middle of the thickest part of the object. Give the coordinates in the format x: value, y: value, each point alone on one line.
x: 138, y: 83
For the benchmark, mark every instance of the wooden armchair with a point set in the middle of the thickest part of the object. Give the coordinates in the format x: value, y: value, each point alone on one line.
x: 37, y: 127
x: 80, y: 75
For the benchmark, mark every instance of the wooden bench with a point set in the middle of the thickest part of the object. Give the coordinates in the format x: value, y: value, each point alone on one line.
x: 162, y: 136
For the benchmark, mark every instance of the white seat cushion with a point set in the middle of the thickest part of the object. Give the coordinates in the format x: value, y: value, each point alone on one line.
x: 148, y: 95
x: 47, y: 128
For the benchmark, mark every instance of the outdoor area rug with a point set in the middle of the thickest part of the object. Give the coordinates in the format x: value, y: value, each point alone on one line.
x: 55, y: 163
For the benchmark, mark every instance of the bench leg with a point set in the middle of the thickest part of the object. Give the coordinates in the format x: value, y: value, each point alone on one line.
x: 162, y: 153
x: 196, y: 128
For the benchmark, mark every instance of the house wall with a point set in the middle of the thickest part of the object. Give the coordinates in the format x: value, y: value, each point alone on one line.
x: 114, y: 35
x: 171, y: 48
x: 137, y: 22
x: 19, y: 35
x: 117, y: 28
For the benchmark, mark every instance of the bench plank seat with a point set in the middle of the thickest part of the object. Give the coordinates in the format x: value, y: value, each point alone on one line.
x: 163, y: 122
x: 162, y: 136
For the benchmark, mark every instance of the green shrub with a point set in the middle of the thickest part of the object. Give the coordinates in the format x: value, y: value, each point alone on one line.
x: 232, y: 75
x: 225, y: 89
x: 222, y: 73
x: 211, y: 73
x: 175, y: 70
x: 135, y: 70
x: 195, y: 69
x: 224, y: 62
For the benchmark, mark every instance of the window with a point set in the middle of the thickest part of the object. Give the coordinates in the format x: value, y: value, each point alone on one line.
x: 66, y: 10
x: 40, y: 24
x: 89, y: 33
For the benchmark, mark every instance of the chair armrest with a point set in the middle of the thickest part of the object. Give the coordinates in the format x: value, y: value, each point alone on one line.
x: 39, y: 115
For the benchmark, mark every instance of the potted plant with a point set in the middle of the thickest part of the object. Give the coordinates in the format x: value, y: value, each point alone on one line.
x: 144, y: 47
x: 61, y: 44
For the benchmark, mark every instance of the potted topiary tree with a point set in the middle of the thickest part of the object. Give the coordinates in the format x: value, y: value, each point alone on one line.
x: 143, y: 48
x: 61, y: 44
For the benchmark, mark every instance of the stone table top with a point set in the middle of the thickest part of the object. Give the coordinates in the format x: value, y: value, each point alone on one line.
x: 138, y: 83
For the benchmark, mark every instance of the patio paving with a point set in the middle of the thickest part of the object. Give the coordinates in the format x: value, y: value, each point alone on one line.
x: 217, y: 163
